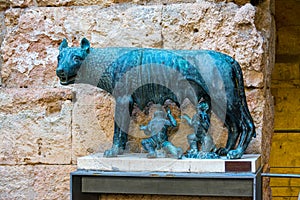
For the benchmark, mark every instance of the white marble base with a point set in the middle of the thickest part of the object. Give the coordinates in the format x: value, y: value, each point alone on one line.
x: 139, y: 163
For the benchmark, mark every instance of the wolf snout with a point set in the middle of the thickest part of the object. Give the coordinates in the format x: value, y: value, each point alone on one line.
x: 60, y: 72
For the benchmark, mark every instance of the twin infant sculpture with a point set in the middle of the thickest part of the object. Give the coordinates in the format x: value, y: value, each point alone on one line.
x: 212, y: 81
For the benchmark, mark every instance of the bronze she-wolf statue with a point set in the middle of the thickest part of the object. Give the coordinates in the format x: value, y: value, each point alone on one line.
x: 137, y: 76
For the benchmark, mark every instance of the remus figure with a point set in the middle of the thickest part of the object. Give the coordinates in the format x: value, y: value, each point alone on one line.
x: 200, y: 122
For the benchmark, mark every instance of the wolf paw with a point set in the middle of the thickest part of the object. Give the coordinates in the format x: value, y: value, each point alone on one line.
x: 113, y: 152
x: 235, y: 154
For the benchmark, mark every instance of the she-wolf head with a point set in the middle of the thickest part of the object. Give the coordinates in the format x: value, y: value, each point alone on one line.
x: 70, y: 60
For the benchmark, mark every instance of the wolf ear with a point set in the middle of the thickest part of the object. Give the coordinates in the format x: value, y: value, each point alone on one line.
x: 85, y: 45
x: 63, y: 44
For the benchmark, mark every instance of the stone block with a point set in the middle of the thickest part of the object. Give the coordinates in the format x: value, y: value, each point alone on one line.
x: 283, y: 146
x: 286, y: 102
x: 288, y: 40
x: 287, y: 13
x: 35, y: 182
x: 17, y: 182
x: 282, y: 122
x: 267, y: 130
x: 52, y: 181
x: 92, y: 121
x: 35, y: 126
x: 29, y: 54
x: 286, y: 72
x: 257, y: 104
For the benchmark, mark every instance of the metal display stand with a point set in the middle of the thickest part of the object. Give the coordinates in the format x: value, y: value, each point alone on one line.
x: 90, y: 184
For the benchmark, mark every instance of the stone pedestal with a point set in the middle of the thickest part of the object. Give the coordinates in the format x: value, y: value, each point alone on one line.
x: 139, y: 163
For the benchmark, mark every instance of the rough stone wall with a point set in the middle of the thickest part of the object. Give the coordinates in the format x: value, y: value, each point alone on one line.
x: 45, y: 127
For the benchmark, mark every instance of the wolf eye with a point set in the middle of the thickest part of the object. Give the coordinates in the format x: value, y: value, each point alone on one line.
x: 77, y: 58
